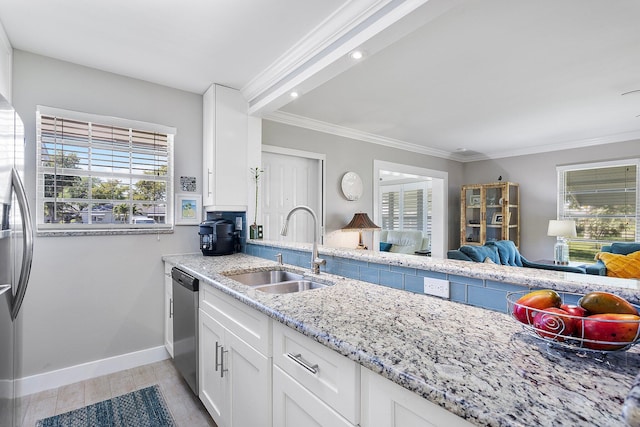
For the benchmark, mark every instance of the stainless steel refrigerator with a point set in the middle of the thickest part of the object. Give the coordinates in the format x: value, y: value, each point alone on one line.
x: 16, y: 252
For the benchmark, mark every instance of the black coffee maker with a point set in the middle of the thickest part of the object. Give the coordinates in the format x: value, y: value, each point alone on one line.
x: 218, y: 237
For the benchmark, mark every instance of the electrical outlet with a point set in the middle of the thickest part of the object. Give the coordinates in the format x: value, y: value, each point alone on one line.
x: 436, y: 287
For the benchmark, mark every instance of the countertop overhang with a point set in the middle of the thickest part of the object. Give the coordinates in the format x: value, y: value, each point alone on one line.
x: 478, y: 364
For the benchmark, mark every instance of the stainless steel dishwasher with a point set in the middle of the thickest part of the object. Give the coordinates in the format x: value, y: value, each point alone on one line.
x: 185, y: 326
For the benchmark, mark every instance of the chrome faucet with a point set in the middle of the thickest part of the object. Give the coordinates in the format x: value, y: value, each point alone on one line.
x: 315, y: 261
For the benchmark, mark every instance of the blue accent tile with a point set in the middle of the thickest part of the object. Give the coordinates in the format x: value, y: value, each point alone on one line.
x: 350, y: 271
x: 432, y: 274
x: 381, y: 267
x: 509, y: 287
x: 458, y: 292
x: 370, y: 275
x: 414, y: 284
x: 404, y: 270
x: 487, y: 298
x: 356, y: 262
x: 466, y: 280
x: 570, y: 298
x: 392, y: 280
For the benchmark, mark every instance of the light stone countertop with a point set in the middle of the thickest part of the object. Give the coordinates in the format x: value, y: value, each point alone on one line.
x: 561, y: 281
x: 478, y: 364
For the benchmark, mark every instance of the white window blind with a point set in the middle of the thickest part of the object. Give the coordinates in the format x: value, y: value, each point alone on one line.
x: 96, y: 176
x: 603, y: 200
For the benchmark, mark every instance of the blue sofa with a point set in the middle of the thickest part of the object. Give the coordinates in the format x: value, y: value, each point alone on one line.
x: 504, y: 252
x: 619, y: 248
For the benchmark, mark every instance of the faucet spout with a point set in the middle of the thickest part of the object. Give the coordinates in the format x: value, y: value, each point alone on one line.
x: 316, y: 262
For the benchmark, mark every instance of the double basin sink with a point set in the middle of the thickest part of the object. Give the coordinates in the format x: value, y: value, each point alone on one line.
x: 276, y: 281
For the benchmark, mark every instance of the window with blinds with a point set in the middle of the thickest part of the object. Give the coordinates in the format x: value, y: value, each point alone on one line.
x: 97, y: 175
x: 406, y: 207
x: 603, y: 200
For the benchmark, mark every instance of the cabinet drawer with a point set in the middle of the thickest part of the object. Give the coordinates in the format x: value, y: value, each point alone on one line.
x: 295, y: 406
x: 330, y: 376
x: 246, y: 323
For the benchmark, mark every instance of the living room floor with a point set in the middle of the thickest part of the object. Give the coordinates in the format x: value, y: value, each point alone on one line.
x: 186, y: 408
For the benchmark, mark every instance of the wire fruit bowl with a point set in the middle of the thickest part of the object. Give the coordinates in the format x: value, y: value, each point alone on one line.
x: 568, y: 331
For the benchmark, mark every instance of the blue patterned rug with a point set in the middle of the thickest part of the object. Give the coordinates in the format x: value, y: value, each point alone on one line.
x: 141, y: 408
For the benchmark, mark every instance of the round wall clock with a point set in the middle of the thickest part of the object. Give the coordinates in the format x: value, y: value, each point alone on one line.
x: 351, y: 186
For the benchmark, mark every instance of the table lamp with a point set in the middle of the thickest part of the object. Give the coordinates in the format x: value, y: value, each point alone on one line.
x: 360, y: 223
x: 561, y: 229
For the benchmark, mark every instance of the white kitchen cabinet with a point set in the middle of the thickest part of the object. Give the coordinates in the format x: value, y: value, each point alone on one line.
x: 225, y: 148
x: 168, y: 309
x: 312, y: 374
x: 386, y: 404
x: 295, y: 406
x: 235, y: 377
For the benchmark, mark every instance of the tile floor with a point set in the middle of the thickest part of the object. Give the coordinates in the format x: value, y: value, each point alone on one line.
x: 187, y: 410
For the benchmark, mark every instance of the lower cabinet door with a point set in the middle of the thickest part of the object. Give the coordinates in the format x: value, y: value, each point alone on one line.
x: 295, y: 406
x: 212, y: 386
x: 249, y: 383
x: 168, y: 314
x: 386, y: 404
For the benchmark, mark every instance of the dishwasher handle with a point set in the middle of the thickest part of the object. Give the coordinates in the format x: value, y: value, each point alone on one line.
x: 184, y: 279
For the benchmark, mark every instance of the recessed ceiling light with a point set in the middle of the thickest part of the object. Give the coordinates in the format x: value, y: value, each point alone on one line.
x: 294, y: 94
x: 356, y: 54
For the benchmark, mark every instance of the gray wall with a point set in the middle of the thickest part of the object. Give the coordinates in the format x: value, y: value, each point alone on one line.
x: 95, y: 297
x: 537, y: 177
x: 344, y: 154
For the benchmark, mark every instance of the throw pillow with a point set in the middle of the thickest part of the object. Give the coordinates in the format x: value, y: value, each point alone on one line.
x: 625, y: 266
x: 385, y: 247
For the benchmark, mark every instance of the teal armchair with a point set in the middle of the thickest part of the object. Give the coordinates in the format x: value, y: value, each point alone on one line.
x: 620, y: 248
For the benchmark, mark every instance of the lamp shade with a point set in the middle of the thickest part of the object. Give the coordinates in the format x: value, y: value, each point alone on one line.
x: 562, y: 228
x: 360, y: 221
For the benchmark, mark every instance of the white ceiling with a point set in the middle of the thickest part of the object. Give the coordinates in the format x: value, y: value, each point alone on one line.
x: 461, y: 79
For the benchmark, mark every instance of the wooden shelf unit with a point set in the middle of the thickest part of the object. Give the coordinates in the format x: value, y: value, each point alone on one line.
x: 482, y: 210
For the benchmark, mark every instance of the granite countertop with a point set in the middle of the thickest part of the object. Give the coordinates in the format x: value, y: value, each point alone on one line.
x: 558, y: 280
x: 478, y: 364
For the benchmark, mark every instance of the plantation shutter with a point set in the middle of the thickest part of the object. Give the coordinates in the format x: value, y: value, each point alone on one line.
x: 391, y: 210
x: 413, y: 209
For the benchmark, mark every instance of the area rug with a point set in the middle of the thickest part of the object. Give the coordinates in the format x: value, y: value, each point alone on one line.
x: 141, y: 408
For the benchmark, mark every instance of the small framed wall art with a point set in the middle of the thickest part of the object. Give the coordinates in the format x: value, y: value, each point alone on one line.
x: 188, y: 209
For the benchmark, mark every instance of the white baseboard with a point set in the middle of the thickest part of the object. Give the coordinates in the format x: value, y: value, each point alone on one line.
x: 85, y: 371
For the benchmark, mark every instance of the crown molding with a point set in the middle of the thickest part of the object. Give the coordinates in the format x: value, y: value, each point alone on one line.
x: 341, y: 21
x: 557, y: 146
x: 320, y: 126
x: 319, y: 51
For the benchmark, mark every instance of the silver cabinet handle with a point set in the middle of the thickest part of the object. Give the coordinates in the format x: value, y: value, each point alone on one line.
x: 170, y: 308
x: 300, y: 361
x: 27, y: 248
x: 209, y: 176
x: 217, y: 347
x: 222, y: 368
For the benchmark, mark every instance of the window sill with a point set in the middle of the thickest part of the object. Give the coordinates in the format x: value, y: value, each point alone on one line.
x: 114, y: 232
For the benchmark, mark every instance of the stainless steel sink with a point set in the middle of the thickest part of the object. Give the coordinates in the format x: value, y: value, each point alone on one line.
x: 289, y: 287
x: 258, y: 278
x: 276, y: 281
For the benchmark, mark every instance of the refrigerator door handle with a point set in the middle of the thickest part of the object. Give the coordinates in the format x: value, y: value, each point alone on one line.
x: 27, y: 248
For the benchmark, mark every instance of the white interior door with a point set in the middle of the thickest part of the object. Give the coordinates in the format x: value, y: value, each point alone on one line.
x: 289, y: 181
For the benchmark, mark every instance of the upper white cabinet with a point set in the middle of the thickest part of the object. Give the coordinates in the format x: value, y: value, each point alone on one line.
x: 225, y: 141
